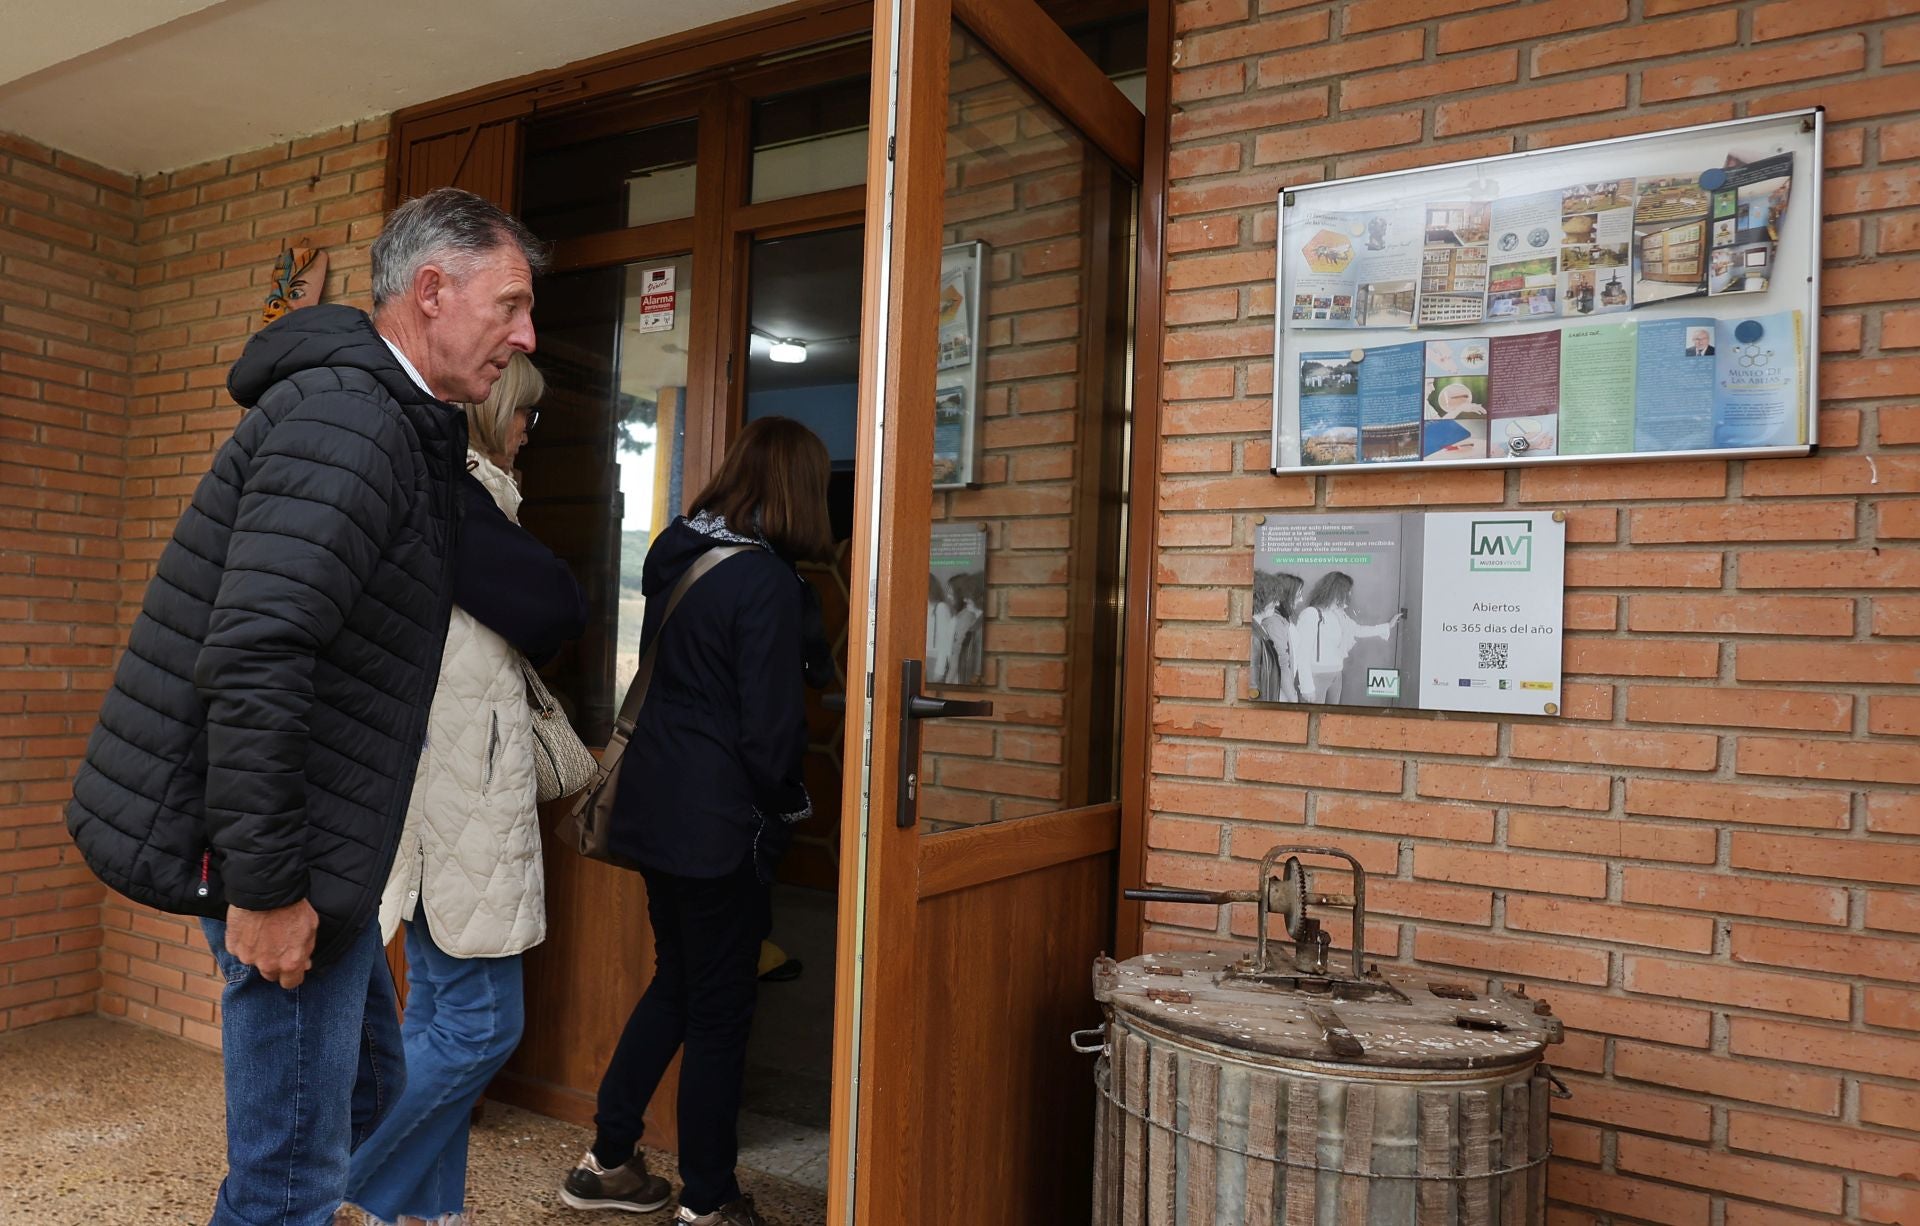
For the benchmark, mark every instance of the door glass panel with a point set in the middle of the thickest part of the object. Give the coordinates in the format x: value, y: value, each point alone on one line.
x: 1025, y: 581
x: 573, y: 186
x: 603, y: 470
x: 810, y: 140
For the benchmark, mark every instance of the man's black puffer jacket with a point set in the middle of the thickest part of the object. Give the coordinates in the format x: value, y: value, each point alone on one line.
x: 260, y: 739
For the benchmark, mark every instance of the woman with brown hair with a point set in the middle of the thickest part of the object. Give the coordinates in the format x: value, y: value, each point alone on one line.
x: 708, y: 796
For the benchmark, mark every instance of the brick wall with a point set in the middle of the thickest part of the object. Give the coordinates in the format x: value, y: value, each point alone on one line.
x: 1708, y: 865
x: 67, y: 260
x: 207, y: 239
x: 122, y: 305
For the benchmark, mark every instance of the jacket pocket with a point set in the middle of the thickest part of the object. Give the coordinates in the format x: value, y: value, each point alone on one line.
x: 493, y: 748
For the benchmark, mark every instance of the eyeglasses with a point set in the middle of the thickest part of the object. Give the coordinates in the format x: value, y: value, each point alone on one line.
x: 533, y: 418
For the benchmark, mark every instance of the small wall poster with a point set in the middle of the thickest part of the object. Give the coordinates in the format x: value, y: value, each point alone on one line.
x: 956, y: 395
x: 1454, y: 611
x: 957, y: 605
x: 656, y: 300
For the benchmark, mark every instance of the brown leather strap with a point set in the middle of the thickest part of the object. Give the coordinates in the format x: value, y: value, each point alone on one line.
x: 643, y: 677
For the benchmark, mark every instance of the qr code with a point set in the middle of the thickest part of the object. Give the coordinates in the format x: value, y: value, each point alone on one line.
x: 1493, y: 655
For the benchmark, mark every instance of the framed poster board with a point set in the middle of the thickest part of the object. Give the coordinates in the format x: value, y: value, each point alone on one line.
x: 956, y: 385
x: 1638, y: 298
x: 1431, y: 611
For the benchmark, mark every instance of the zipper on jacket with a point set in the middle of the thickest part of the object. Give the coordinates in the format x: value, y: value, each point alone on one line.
x: 206, y: 871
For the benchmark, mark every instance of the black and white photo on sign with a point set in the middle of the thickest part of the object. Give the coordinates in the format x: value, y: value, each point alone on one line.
x: 957, y: 605
x: 1335, y: 612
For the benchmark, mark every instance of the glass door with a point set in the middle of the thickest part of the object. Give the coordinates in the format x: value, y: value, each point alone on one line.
x: 987, y: 582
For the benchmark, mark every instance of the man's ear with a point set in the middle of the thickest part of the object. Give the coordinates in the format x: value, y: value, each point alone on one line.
x: 429, y: 288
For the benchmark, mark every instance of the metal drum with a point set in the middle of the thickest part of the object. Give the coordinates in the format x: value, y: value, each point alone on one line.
x: 1272, y: 1089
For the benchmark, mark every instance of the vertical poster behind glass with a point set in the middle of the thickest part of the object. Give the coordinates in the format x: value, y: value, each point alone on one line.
x: 1643, y: 297
x: 956, y: 389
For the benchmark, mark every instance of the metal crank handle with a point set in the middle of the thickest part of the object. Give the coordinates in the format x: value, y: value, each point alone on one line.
x: 1211, y: 898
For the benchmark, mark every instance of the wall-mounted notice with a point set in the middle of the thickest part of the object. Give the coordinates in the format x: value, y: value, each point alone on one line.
x: 1645, y: 297
x: 1454, y: 611
x: 957, y: 604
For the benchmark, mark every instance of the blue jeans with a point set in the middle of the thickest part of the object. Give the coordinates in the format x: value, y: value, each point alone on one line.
x: 310, y: 1071
x: 464, y: 1017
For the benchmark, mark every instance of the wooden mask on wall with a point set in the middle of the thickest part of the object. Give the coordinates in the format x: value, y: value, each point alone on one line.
x: 299, y: 278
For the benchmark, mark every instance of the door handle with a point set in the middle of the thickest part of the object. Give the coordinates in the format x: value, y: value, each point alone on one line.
x: 914, y: 707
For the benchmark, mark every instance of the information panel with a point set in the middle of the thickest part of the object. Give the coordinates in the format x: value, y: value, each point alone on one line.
x: 1650, y: 296
x: 1452, y: 611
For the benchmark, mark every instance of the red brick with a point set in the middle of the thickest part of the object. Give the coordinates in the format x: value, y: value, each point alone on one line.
x: 1537, y: 20
x: 1891, y: 1107
x: 1887, y: 1007
x: 1853, y: 1149
x: 1311, y: 769
x: 1771, y: 1181
x: 1795, y: 521
x: 1323, y: 139
x: 1515, y: 106
x: 1831, y: 663
x: 1455, y: 823
x: 1601, y: 746
x: 1262, y: 111
x: 1494, y: 785
x: 1553, y: 960
x: 1638, y: 41
x: 1342, y: 58
x: 1893, y: 716
x: 1845, y: 859
x: 1235, y: 801
x: 1809, y: 615
x: 1833, y: 474
x: 1730, y: 72
x: 1628, y: 568
x: 1734, y: 895
x: 1363, y: 15
x: 1414, y: 489
x: 1610, y: 837
x: 1634, y: 1198
x: 1610, y: 922
x: 1827, y: 759
x: 1743, y: 708
x: 1863, y: 957
x: 1256, y: 39
x: 1273, y: 725
x: 1512, y: 871
x: 1641, y: 658
x: 1881, y: 566
x: 1883, y: 1202
x: 1896, y: 616
x: 1405, y: 733
x: 1744, y: 1080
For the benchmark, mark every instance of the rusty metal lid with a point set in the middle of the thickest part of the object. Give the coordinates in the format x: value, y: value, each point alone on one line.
x: 1409, y: 1021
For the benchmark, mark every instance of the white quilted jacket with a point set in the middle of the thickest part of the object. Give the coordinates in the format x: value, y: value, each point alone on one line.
x: 469, y: 855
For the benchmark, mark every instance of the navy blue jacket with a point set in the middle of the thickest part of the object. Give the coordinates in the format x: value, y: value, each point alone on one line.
x: 712, y: 774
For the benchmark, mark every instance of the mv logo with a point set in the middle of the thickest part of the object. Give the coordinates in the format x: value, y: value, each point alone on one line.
x: 1500, y: 544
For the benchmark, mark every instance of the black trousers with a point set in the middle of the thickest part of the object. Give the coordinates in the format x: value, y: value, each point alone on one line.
x: 706, y: 935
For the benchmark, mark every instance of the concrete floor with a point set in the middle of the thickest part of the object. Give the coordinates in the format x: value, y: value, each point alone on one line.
x: 105, y: 1122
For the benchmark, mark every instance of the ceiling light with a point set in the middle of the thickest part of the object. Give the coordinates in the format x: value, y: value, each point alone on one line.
x: 790, y: 351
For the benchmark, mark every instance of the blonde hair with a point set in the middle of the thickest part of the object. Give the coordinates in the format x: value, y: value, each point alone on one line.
x: 520, y: 386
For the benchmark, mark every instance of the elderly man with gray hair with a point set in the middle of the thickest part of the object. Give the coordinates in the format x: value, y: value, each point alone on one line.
x: 254, y: 757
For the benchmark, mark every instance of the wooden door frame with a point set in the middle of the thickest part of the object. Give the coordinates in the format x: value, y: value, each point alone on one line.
x: 896, y: 868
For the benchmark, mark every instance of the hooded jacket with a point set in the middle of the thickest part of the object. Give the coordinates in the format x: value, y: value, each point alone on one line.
x: 260, y: 738
x: 712, y: 773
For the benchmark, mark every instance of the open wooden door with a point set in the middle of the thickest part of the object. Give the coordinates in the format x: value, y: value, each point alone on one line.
x: 987, y: 582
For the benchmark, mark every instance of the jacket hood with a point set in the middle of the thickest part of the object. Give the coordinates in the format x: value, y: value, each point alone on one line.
x: 323, y: 335
x: 680, y: 545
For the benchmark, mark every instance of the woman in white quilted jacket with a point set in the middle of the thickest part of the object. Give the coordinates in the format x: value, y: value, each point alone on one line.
x: 467, y: 881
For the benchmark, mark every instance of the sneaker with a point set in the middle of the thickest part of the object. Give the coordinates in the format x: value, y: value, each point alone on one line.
x: 627, y: 1187
x: 739, y: 1213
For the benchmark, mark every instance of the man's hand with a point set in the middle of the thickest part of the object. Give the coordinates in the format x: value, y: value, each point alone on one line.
x: 277, y: 943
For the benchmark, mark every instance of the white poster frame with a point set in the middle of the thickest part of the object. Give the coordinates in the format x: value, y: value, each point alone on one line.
x: 1793, y: 286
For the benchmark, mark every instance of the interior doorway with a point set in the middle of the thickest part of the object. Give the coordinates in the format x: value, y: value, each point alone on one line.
x: 802, y: 343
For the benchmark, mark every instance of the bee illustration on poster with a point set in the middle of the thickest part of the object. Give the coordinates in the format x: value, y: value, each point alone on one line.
x: 956, y: 404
